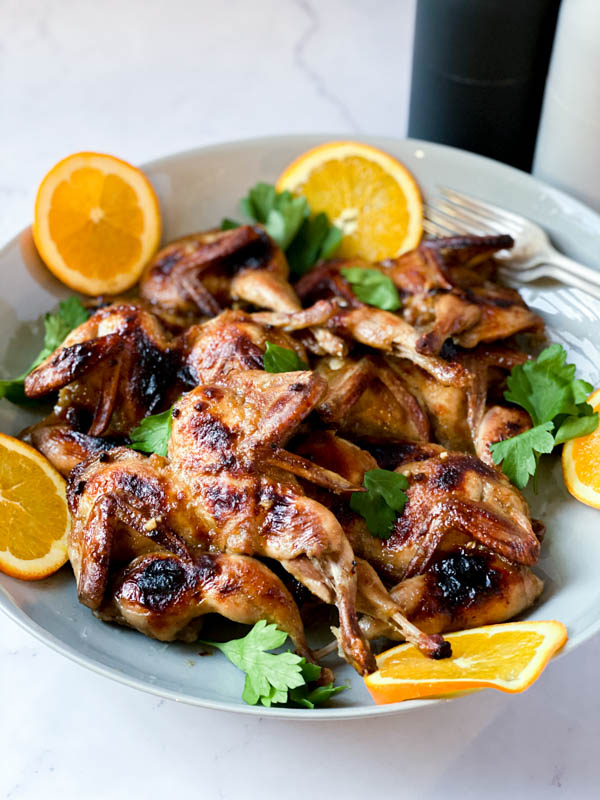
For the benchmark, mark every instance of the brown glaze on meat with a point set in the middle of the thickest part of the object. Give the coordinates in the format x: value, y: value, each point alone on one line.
x: 455, y: 492
x: 113, y: 369
x: 117, y: 501
x: 218, y: 447
x: 456, y: 413
x: 468, y: 250
x: 385, y: 331
x: 110, y: 372
x: 122, y: 363
x: 63, y: 446
x: 459, y: 578
x: 124, y: 510
x: 199, y: 275
x: 232, y: 341
x: 446, y: 406
x: 367, y: 398
x: 156, y: 543
x: 219, y: 493
x: 448, y: 493
x: 165, y: 596
x: 462, y: 588
x: 444, y: 299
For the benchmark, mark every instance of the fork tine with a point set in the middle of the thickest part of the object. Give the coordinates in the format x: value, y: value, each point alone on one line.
x: 502, y: 224
x: 476, y: 205
x: 443, y: 227
x: 434, y: 230
x: 451, y: 223
x: 476, y: 223
x: 483, y: 217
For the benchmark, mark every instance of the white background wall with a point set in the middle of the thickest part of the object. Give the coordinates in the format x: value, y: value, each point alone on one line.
x: 143, y: 78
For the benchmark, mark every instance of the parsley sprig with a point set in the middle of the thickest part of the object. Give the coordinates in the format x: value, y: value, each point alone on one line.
x: 57, y: 326
x: 282, y: 359
x: 383, y: 501
x: 153, y: 433
x: 287, y: 219
x: 556, y: 402
x: 520, y: 454
x: 373, y: 287
x: 274, y: 677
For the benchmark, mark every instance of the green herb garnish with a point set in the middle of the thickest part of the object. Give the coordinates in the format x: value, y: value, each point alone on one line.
x: 383, y: 501
x: 153, y: 433
x: 315, y: 240
x: 373, y: 287
x: 229, y: 224
x: 57, y: 326
x: 520, y: 454
x: 305, y: 239
x: 556, y: 402
x: 282, y: 359
x: 312, y: 696
x: 274, y: 677
x: 282, y: 213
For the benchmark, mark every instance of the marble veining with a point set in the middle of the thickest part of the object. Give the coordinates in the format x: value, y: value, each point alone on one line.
x: 301, y: 61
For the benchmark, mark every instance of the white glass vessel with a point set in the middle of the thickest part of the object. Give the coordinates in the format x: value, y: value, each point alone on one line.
x: 568, y: 144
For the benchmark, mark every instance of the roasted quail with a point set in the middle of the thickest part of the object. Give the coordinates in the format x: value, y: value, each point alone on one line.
x: 262, y: 465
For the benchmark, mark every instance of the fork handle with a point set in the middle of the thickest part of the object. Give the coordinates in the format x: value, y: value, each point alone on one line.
x: 571, y: 269
x: 548, y: 270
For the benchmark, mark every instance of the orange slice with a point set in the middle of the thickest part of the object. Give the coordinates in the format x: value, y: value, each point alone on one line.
x: 97, y: 223
x: 34, y: 519
x: 509, y: 657
x: 367, y: 193
x: 581, y: 462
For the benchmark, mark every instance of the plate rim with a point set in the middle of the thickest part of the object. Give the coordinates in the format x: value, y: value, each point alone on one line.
x: 17, y: 615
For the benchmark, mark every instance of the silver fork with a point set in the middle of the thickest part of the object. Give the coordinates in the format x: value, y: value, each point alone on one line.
x: 532, y: 256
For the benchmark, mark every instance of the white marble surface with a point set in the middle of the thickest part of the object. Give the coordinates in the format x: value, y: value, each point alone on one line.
x: 142, y: 78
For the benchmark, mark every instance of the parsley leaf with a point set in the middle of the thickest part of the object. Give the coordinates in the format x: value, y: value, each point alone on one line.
x: 14, y: 391
x: 519, y: 455
x: 229, y: 224
x: 282, y: 213
x: 315, y: 240
x: 282, y: 359
x: 269, y: 676
x: 331, y: 242
x: 547, y: 386
x: 259, y: 202
x: 274, y: 677
x: 373, y: 287
x: 556, y: 402
x: 287, y: 220
x: 383, y: 501
x: 70, y: 315
x: 310, y: 698
x: 572, y: 427
x: 57, y: 326
x: 153, y: 433
x: 316, y: 696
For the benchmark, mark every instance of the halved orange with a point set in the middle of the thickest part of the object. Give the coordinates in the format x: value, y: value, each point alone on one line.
x: 367, y: 193
x: 581, y: 463
x: 97, y: 223
x: 34, y: 518
x: 509, y: 657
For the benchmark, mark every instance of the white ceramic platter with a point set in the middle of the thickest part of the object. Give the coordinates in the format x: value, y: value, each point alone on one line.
x: 196, y: 190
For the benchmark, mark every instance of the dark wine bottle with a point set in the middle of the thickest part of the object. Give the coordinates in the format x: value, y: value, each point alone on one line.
x: 479, y: 68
